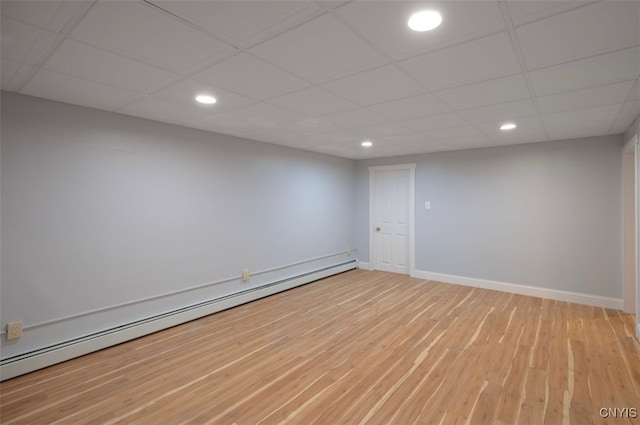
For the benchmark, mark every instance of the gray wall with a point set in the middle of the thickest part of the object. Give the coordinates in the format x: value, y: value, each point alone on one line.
x: 100, y: 209
x: 544, y: 214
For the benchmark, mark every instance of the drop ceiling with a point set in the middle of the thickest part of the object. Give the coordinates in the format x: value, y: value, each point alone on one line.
x: 326, y: 75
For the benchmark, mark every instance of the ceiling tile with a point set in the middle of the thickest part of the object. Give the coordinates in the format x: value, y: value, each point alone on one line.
x: 525, y: 11
x: 410, y: 107
x: 122, y: 48
x: 586, y: 98
x: 474, y: 61
x: 265, y: 115
x: 273, y: 135
x: 385, y: 24
x: 379, y: 151
x: 48, y: 14
x: 434, y: 122
x: 378, y: 85
x: 311, y: 126
x: 525, y: 125
x: 224, y: 123
x: 354, y: 118
x: 500, y: 90
x: 582, y: 116
x: 91, y: 63
x: 313, y: 101
x: 477, y: 141
x: 250, y: 77
x: 336, y: 149
x: 453, y: 133
x: 387, y: 130
x: 293, y: 140
x: 340, y: 138
x: 404, y: 139
x: 12, y: 73
x: 500, y: 113
x: 531, y: 135
x: 161, y: 110
x: 185, y: 91
x: 243, y: 23
x: 596, y: 71
x: 69, y: 89
x: 142, y: 32
x: 24, y: 43
x: 333, y: 4
x: 593, y: 128
x: 589, y: 30
x: 320, y: 50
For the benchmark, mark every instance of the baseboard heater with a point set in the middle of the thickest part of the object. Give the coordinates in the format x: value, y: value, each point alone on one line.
x: 57, y: 353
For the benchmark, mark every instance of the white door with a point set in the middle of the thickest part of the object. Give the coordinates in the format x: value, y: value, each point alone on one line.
x: 391, y: 219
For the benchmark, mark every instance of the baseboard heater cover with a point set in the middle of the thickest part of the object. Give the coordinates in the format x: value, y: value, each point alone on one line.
x: 67, y: 350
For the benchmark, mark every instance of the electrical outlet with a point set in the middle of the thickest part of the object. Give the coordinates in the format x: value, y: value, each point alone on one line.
x: 245, y: 275
x: 348, y: 251
x: 14, y: 330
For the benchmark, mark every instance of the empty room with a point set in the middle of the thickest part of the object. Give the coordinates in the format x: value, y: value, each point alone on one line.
x: 246, y: 212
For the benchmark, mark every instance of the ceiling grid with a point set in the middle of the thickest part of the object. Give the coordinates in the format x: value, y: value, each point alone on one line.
x: 325, y: 76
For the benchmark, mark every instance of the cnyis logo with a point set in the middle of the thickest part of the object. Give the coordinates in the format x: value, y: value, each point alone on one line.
x: 619, y: 412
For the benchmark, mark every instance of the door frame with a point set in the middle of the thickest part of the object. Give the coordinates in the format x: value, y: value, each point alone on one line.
x: 411, y: 168
x: 631, y: 219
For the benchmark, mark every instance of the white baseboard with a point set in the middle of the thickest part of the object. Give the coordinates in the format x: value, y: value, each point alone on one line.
x: 364, y: 266
x: 554, y: 294
x: 21, y: 364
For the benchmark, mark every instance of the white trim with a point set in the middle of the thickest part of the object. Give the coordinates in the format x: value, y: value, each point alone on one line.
x: 632, y: 147
x: 62, y: 352
x: 412, y: 219
x: 412, y: 213
x: 372, y: 241
x: 364, y: 266
x: 554, y: 294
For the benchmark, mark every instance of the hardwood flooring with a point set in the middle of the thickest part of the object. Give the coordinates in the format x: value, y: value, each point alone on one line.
x: 357, y: 348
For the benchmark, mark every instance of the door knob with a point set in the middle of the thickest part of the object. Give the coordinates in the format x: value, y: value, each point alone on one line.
x: 377, y: 229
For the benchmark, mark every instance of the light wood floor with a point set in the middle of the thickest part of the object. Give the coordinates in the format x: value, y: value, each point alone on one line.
x: 360, y: 347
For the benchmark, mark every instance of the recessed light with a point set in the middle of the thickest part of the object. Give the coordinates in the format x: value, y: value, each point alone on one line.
x: 366, y: 144
x: 206, y: 99
x: 426, y: 20
x: 508, y: 126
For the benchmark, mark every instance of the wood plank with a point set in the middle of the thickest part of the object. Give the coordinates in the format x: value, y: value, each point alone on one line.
x: 357, y: 348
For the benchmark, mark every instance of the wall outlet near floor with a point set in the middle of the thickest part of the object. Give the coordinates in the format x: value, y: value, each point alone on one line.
x: 348, y: 251
x: 245, y: 275
x: 14, y: 330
